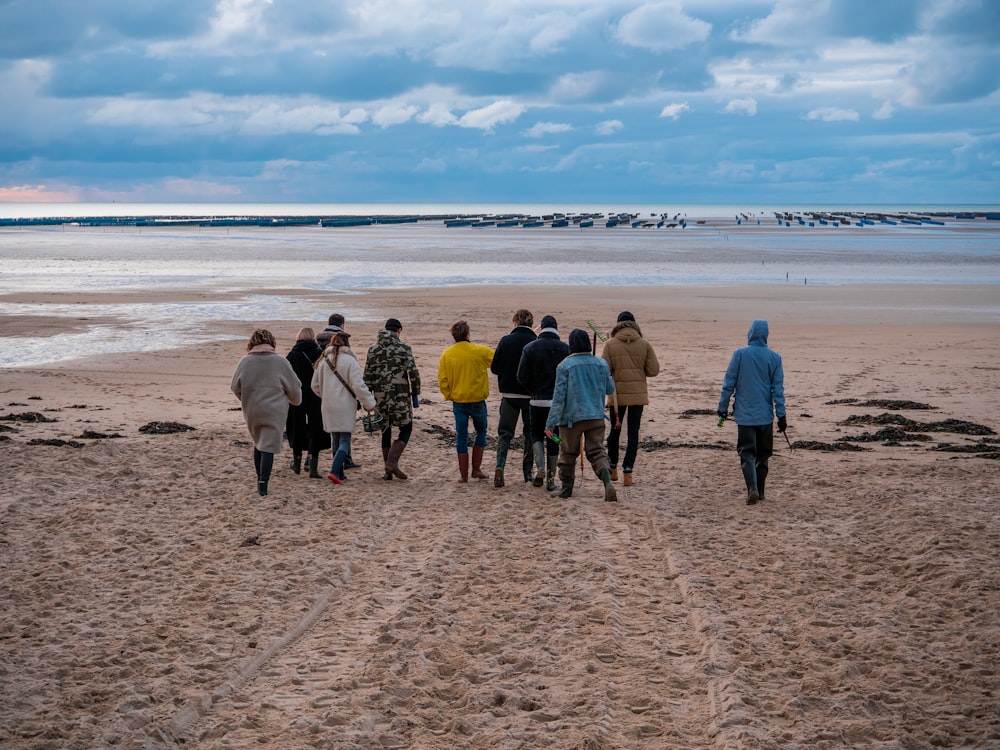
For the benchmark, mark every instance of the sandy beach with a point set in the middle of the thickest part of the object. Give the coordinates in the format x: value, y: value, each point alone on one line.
x: 153, y: 600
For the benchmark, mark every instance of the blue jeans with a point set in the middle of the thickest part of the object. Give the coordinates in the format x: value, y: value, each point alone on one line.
x: 341, y: 450
x: 476, y: 411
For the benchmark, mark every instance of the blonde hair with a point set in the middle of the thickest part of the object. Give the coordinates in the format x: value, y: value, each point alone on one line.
x: 261, y: 336
x: 305, y: 334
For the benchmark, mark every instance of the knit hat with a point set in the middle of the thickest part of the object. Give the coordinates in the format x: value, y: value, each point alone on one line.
x: 393, y: 325
x: 579, y: 341
x: 549, y: 322
x: 626, y: 315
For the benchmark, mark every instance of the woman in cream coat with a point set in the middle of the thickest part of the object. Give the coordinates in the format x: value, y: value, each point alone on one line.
x: 265, y: 384
x: 339, y: 381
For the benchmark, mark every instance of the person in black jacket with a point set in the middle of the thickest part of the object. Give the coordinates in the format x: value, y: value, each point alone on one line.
x: 514, y: 399
x: 304, y: 425
x: 536, y: 372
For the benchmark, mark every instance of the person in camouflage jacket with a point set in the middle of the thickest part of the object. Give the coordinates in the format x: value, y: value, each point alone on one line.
x: 392, y: 377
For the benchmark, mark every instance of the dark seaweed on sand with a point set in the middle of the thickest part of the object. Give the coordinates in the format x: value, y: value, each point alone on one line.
x: 57, y: 442
x: 164, y: 428
x: 27, y: 416
x: 816, y: 445
x: 957, y: 426
x: 890, y: 434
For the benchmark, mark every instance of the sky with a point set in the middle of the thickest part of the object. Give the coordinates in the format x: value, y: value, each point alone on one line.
x: 511, y: 101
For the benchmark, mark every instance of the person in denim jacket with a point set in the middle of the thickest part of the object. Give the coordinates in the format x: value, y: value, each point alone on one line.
x: 582, y: 383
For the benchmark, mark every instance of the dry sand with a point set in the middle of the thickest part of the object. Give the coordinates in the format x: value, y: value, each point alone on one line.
x: 152, y: 599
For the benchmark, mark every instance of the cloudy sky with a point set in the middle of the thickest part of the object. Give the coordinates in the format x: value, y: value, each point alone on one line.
x: 516, y: 101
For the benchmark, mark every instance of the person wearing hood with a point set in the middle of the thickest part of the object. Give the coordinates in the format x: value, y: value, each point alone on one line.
x: 755, y: 377
x: 391, y: 375
x: 514, y: 399
x: 304, y: 426
x: 581, y: 385
x: 536, y: 372
x: 338, y: 380
x: 265, y: 384
x: 632, y: 360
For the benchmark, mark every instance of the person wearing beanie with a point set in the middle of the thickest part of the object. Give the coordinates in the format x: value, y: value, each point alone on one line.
x: 632, y: 360
x: 582, y: 383
x: 391, y: 375
x: 536, y: 372
x: 757, y: 380
x: 514, y: 399
x: 463, y: 377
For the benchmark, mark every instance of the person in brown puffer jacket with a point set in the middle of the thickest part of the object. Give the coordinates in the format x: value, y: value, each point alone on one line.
x: 632, y: 360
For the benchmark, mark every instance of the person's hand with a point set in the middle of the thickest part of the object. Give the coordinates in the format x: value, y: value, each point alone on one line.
x: 548, y: 432
x: 721, y: 414
x: 782, y: 424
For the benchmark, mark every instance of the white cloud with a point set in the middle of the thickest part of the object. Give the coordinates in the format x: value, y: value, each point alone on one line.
x: 394, y: 114
x: 572, y: 86
x: 437, y: 114
x: 432, y: 165
x: 884, y: 112
x: 674, y: 111
x: 609, y: 127
x: 488, y: 117
x: 661, y: 27
x: 746, y: 106
x: 833, y: 114
x: 546, y: 128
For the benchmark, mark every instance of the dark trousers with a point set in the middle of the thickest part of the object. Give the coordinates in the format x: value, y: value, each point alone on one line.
x: 539, y: 415
x: 263, y: 462
x: 510, y: 410
x: 755, y: 444
x: 630, y: 417
x: 404, y: 434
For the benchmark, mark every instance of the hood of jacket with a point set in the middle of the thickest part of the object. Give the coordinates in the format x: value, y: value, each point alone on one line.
x: 387, y: 338
x: 627, y: 330
x: 757, y: 335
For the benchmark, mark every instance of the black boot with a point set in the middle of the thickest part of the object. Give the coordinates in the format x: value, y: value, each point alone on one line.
x: 313, y: 465
x: 261, y: 488
x: 567, y: 490
x: 297, y: 463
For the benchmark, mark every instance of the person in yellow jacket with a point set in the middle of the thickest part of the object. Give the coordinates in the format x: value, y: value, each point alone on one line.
x: 463, y: 377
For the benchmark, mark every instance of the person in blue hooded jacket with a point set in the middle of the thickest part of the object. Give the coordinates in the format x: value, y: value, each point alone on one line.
x: 755, y: 377
x: 582, y: 383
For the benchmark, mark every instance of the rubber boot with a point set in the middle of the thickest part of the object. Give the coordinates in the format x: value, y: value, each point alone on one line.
x: 385, y: 459
x: 526, y: 462
x: 261, y: 488
x: 761, y: 477
x: 550, y: 473
x: 610, y: 496
x: 314, y: 466
x: 538, y: 449
x: 477, y: 463
x: 566, y: 491
x: 498, y: 477
x: 297, y: 462
x: 463, y: 466
x: 392, y: 462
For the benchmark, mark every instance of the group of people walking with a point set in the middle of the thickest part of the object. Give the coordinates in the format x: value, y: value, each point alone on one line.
x: 559, y: 391
x: 316, y: 392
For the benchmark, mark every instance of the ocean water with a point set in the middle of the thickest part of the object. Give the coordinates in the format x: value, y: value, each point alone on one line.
x: 254, y: 265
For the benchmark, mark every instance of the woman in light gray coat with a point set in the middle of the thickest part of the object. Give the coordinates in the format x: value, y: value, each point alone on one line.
x: 265, y: 384
x: 338, y: 380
